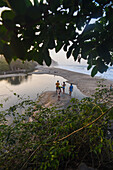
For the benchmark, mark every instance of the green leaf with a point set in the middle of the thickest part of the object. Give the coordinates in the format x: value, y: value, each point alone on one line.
x: 8, y: 15
x: 47, y: 58
x: 1, y: 105
x: 88, y: 28
x: 65, y: 46
x: 51, y: 43
x: 3, y: 32
x: 8, y: 19
x: 104, y: 53
x: 101, y: 66
x: 34, y: 13
x: 59, y: 46
x: 69, y: 51
x: 54, y: 4
x: 87, y: 48
x: 36, y: 2
x: 94, y: 71
x: 98, y: 12
x: 89, y: 67
x: 76, y: 52
x: 18, y: 47
x: 3, y: 3
x: 36, y: 57
x: 20, y: 6
x: 8, y: 53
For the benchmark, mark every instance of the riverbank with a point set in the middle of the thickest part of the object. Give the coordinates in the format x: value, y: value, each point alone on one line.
x: 85, y: 83
x: 50, y: 99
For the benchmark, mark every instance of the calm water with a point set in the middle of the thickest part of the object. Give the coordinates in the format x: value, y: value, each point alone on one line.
x: 29, y: 85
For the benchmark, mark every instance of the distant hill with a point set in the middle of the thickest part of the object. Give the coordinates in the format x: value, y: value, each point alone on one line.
x: 54, y: 63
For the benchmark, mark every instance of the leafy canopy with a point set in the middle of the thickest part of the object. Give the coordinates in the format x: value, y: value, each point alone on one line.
x: 29, y: 30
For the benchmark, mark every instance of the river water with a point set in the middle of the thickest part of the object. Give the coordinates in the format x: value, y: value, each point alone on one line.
x: 29, y: 86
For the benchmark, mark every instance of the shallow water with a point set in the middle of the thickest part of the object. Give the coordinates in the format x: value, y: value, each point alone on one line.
x: 30, y: 85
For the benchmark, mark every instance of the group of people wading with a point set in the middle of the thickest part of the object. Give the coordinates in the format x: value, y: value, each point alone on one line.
x: 58, y: 89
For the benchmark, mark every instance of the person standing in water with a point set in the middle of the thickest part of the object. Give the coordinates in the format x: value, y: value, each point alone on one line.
x: 70, y: 89
x: 63, y: 87
x: 57, y: 85
x: 58, y: 92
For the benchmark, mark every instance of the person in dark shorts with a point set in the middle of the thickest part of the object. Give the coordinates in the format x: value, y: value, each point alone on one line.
x: 70, y: 89
x: 63, y: 87
x: 57, y: 85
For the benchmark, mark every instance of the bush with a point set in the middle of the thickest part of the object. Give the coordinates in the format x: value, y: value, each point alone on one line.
x: 51, y: 138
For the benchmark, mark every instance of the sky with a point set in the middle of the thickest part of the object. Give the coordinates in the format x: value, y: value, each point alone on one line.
x: 60, y: 57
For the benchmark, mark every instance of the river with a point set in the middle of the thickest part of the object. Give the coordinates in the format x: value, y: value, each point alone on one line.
x: 29, y: 86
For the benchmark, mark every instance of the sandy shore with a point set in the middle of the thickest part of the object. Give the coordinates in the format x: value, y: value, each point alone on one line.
x: 85, y: 83
x: 50, y: 99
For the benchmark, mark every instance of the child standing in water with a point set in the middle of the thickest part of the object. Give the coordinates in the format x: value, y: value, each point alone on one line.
x: 58, y: 92
x: 70, y: 89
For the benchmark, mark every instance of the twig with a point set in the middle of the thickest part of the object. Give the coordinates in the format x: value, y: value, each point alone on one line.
x: 85, y: 125
x: 30, y: 156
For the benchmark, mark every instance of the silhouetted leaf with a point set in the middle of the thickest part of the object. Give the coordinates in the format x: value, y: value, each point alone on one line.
x: 35, y: 2
x: 104, y: 53
x: 34, y: 12
x: 59, y: 46
x: 3, y: 3
x: 54, y: 4
x: 76, y: 52
x: 47, y: 58
x: 69, y: 51
x: 20, y: 6
x: 89, y: 67
x: 101, y: 66
x: 8, y: 15
x: 51, y: 43
x: 8, y: 53
x: 36, y: 57
x: 18, y: 47
x: 65, y: 46
x: 94, y: 71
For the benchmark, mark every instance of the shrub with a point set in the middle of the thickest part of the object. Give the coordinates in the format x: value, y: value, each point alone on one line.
x: 55, y: 138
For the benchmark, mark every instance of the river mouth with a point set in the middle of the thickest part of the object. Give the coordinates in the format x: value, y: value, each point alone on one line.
x: 30, y: 86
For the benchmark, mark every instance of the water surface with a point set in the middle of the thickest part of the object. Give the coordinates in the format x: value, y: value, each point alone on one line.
x: 30, y: 85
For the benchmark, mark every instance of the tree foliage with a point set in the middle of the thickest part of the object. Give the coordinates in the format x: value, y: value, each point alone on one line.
x: 29, y: 30
x: 40, y: 144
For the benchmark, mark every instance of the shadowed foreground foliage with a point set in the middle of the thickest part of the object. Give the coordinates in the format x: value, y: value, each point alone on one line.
x: 38, y: 144
x: 30, y: 30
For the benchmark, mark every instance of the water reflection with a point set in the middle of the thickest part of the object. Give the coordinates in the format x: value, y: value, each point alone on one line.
x: 15, y: 80
x: 30, y: 85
